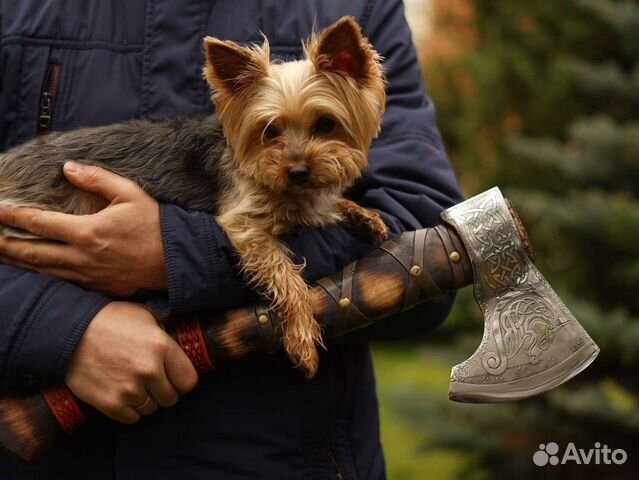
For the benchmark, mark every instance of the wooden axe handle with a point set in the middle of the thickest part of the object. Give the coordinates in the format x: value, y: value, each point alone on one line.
x: 398, y: 275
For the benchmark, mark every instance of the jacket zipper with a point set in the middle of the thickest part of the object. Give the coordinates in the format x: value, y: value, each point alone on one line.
x: 47, y: 97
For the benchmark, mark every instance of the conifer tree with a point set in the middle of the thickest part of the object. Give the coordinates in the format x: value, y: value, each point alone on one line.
x: 545, y: 104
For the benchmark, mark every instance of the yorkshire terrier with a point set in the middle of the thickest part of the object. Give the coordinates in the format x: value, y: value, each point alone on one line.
x: 287, y: 140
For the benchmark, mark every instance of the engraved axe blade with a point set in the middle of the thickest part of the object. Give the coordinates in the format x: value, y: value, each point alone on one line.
x: 531, y: 343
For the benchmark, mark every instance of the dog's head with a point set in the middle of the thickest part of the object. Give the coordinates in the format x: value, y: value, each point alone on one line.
x: 303, y: 125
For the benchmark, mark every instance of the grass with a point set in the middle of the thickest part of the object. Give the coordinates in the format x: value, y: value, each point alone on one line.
x: 414, y: 370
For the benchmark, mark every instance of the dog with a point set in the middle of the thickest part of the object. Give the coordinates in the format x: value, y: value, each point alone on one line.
x: 288, y: 139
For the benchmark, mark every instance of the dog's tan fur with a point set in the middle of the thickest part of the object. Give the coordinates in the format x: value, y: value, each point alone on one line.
x: 274, y: 119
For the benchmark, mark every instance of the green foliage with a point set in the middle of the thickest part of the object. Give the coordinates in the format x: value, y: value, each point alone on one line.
x: 545, y: 104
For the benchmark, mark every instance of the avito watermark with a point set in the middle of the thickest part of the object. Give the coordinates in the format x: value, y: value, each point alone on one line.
x: 598, y: 455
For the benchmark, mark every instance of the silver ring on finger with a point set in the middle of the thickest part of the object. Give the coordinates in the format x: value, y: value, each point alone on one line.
x: 140, y: 407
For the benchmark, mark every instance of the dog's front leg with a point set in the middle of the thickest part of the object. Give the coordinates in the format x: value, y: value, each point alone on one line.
x: 267, y: 266
x: 365, y: 223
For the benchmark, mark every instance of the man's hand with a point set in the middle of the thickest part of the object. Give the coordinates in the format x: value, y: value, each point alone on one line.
x: 116, y: 251
x: 125, y: 360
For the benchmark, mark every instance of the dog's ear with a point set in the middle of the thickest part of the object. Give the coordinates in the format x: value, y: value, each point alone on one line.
x: 341, y: 48
x: 230, y: 68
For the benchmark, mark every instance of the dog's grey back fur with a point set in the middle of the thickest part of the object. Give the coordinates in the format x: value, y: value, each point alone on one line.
x: 177, y: 161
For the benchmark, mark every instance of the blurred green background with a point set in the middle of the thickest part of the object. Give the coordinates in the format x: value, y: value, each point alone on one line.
x: 541, y: 99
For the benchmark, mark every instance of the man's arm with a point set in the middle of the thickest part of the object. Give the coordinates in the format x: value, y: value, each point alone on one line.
x: 112, y: 355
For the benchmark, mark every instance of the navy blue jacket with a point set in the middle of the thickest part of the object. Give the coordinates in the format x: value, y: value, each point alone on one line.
x: 258, y: 417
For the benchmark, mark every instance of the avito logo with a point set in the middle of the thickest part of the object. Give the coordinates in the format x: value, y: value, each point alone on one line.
x: 548, y: 454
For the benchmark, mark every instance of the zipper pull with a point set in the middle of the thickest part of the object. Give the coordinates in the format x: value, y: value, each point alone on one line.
x: 44, y: 119
x: 47, y: 97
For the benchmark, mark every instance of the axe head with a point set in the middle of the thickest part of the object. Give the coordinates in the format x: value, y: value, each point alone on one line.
x: 531, y: 341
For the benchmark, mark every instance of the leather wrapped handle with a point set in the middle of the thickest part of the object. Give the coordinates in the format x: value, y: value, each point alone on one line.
x: 398, y: 275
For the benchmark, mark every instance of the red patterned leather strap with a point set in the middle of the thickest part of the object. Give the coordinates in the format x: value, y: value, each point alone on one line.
x: 190, y: 338
x: 64, y: 407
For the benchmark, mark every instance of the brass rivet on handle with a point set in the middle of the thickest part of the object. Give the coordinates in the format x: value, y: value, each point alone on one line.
x: 263, y: 319
x: 415, y: 271
x: 344, y: 302
x: 455, y: 257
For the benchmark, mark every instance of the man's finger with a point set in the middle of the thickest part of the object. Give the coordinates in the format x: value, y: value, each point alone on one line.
x: 40, y: 253
x: 103, y: 182
x: 148, y: 406
x: 180, y: 370
x: 126, y: 415
x: 163, y: 391
x: 41, y: 223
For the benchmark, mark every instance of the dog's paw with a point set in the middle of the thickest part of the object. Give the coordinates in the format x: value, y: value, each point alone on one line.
x: 371, y: 227
x: 378, y: 231
x: 366, y: 224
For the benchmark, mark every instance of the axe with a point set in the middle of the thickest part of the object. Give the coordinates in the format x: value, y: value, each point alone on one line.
x: 531, y: 341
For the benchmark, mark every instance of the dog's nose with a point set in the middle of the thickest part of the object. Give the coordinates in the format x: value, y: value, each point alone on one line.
x: 299, y: 175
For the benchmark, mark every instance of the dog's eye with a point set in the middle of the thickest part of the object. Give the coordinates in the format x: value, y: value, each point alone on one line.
x: 271, y: 132
x: 324, y: 125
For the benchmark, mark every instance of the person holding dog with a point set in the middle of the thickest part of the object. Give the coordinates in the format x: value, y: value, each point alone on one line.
x: 67, y: 315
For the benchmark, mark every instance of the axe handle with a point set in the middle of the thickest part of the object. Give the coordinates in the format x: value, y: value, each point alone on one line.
x: 398, y: 275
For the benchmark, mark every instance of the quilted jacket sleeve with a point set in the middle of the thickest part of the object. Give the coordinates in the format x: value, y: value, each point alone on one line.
x: 42, y: 320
